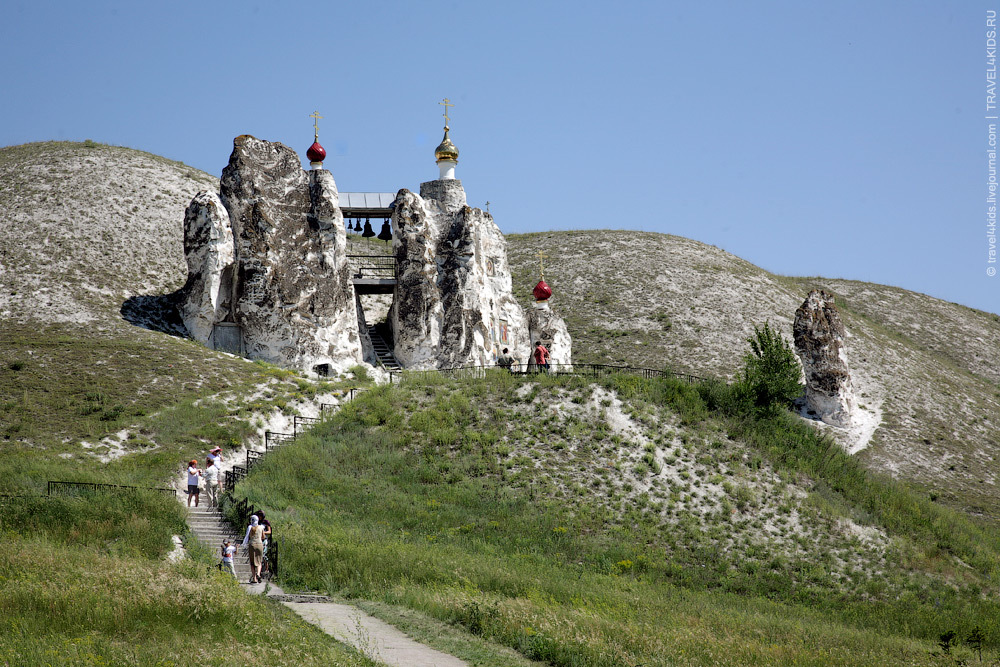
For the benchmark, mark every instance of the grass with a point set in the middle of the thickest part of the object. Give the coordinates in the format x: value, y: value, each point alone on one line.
x: 83, y: 578
x: 83, y: 581
x: 437, y: 496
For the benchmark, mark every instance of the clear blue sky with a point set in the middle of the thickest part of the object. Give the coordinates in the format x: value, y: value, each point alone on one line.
x: 841, y: 139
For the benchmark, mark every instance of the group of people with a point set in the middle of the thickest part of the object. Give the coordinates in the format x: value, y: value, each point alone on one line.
x: 541, y: 356
x: 258, y: 534
x: 212, y: 476
x: 258, y: 537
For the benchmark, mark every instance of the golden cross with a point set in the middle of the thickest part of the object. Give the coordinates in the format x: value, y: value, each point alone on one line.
x: 541, y: 266
x: 447, y: 103
x: 315, y: 115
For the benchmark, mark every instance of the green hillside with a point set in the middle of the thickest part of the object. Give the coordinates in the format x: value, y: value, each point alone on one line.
x: 625, y: 523
x: 631, y: 522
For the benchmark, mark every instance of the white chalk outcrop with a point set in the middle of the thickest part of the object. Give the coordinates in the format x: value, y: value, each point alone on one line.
x: 546, y: 326
x: 208, y: 249
x: 453, y: 304
x: 820, y: 343
x: 287, y: 286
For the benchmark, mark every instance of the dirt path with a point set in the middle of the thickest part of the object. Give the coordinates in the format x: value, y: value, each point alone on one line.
x: 373, y: 637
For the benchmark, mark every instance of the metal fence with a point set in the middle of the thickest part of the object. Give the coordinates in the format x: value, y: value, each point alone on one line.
x: 70, y: 487
x: 272, y: 439
x: 232, y: 477
x: 372, y: 266
x: 594, y: 371
x: 299, y: 424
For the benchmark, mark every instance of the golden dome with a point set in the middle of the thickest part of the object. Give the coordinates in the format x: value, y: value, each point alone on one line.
x: 446, y: 150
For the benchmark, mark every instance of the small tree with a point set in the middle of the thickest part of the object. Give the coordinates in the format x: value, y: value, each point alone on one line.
x: 770, y: 376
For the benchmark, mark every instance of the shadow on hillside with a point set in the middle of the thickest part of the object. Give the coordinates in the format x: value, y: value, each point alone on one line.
x: 156, y: 312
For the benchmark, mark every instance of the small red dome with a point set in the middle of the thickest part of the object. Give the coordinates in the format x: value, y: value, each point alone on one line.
x: 542, y: 291
x: 316, y: 153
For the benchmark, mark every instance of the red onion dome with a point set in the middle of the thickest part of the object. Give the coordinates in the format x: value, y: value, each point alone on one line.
x: 542, y: 291
x: 316, y: 153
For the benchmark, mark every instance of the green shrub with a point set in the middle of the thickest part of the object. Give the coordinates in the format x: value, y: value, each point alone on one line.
x: 770, y: 376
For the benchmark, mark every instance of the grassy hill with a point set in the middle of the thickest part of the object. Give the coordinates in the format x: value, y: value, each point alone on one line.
x: 627, y: 523
x: 925, y: 370
x: 631, y: 522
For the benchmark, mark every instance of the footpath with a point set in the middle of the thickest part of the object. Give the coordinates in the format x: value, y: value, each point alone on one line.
x: 373, y: 637
x: 350, y: 625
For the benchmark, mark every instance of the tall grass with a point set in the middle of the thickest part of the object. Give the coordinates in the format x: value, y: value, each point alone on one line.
x: 83, y: 581
x: 405, y: 496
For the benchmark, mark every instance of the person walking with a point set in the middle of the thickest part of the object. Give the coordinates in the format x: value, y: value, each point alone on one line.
x: 228, y: 551
x: 541, y: 356
x: 211, y: 476
x: 254, y: 538
x: 265, y: 538
x: 194, y: 474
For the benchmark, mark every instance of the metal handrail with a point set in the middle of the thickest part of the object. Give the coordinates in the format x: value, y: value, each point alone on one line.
x: 586, y: 370
x: 377, y: 266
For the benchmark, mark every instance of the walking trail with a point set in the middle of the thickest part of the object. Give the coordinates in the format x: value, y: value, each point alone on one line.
x: 373, y: 637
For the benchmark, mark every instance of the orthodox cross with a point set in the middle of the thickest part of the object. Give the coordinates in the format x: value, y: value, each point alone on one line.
x: 541, y: 266
x: 487, y: 207
x: 315, y: 115
x: 447, y: 103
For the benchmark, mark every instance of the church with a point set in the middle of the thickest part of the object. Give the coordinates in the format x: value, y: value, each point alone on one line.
x: 278, y: 271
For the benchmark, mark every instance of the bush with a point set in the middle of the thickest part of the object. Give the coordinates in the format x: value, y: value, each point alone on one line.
x: 770, y: 376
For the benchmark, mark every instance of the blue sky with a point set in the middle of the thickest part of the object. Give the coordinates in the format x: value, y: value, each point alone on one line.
x: 840, y: 140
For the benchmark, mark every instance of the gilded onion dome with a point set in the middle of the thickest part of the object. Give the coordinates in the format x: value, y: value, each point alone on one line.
x: 446, y: 150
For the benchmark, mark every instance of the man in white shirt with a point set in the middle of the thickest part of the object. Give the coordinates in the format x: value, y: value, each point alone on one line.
x: 211, y: 476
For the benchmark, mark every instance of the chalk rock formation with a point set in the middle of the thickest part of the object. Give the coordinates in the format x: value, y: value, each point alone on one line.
x: 546, y: 326
x: 819, y: 341
x: 291, y: 290
x: 208, y: 248
x: 452, y: 305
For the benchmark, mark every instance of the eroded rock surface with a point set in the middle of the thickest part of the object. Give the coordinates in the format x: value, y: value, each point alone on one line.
x: 208, y: 249
x: 452, y: 305
x: 820, y: 343
x: 546, y: 326
x: 290, y: 291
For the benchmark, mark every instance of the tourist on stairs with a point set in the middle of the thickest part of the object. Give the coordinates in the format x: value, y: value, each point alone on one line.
x: 254, y: 538
x: 193, y: 474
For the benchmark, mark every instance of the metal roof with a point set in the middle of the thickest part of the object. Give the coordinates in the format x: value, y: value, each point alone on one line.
x: 362, y: 200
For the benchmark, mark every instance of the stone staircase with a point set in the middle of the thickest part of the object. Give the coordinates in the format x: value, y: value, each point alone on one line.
x: 382, y: 350
x: 210, y: 529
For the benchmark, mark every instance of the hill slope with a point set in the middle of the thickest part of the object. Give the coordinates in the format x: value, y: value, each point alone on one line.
x: 95, y: 225
x: 922, y: 367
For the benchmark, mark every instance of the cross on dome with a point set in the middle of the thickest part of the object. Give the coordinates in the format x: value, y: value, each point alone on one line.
x: 316, y: 152
x: 315, y: 116
x: 447, y: 103
x: 446, y: 154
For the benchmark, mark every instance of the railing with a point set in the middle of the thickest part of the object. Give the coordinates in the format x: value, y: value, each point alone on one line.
x: 585, y: 370
x: 252, y: 459
x: 92, y: 486
x: 372, y: 266
x: 243, y: 509
x: 273, y: 440
x: 304, y: 422
x: 232, y: 477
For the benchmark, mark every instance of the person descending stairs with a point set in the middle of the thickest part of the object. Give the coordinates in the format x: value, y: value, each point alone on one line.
x: 211, y: 530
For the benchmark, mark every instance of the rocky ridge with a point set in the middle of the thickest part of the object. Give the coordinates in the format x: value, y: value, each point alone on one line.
x: 925, y: 371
